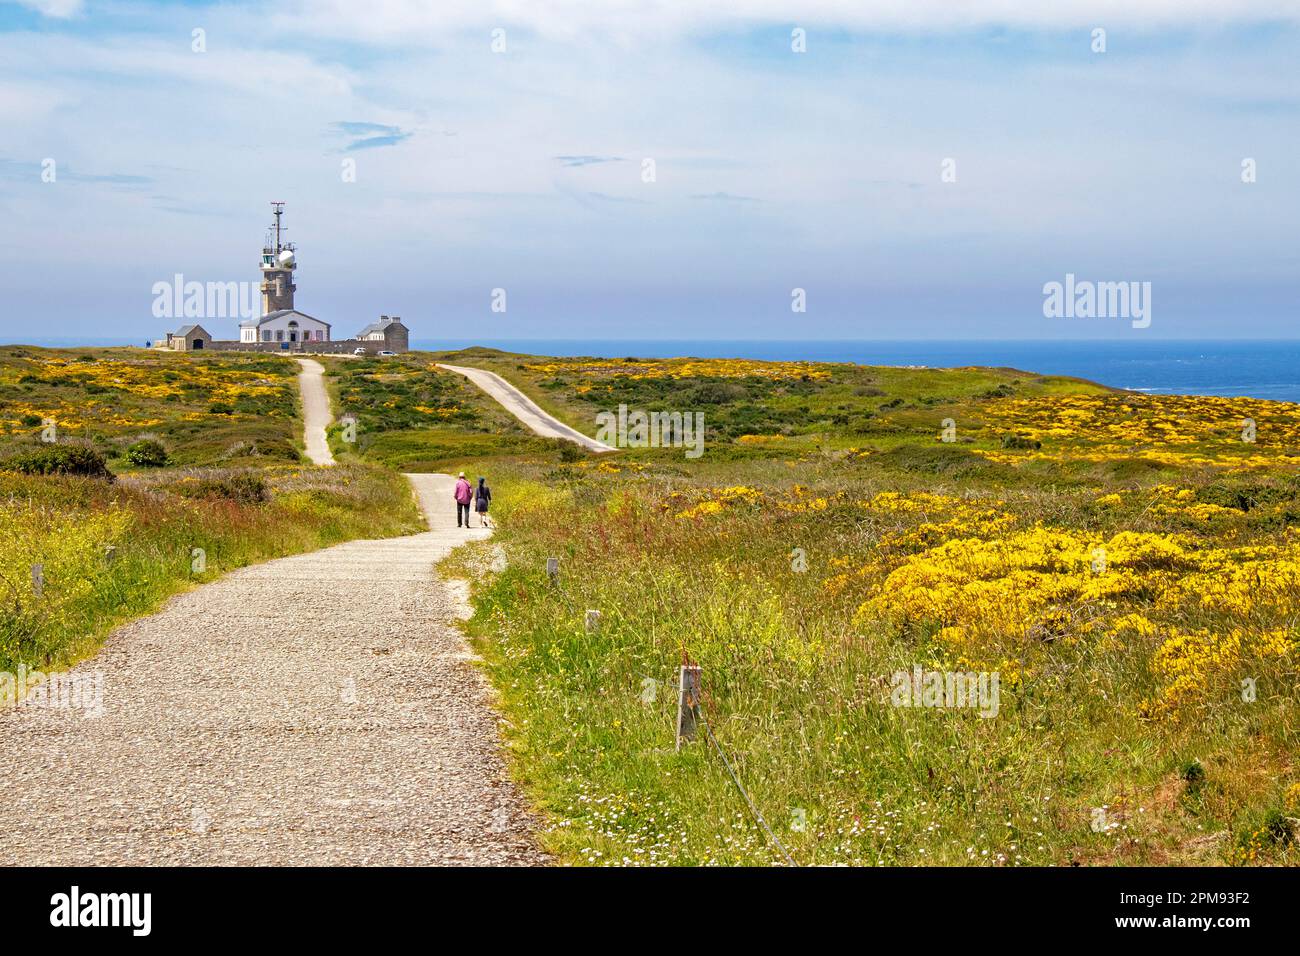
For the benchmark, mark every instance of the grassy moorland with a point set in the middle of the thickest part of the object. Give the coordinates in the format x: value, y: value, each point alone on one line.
x: 1127, y: 565
x: 414, y: 417
x: 117, y: 464
x: 206, y: 408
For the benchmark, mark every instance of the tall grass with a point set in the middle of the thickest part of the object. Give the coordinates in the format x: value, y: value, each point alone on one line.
x: 797, y: 690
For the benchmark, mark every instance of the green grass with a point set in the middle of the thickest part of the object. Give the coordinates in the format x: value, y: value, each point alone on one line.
x: 798, y: 694
x: 841, y: 404
x: 234, y: 487
x: 413, y: 417
x: 217, y: 408
x: 797, y: 677
x: 695, y: 559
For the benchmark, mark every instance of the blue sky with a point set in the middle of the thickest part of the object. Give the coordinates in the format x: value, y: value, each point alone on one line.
x: 775, y: 170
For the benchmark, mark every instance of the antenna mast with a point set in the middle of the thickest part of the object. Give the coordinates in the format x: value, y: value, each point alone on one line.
x: 279, y: 211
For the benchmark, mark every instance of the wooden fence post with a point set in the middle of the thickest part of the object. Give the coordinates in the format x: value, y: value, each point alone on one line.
x: 688, y: 698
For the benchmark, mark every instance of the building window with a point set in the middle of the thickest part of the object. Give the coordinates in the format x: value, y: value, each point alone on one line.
x: 266, y: 335
x: 279, y: 335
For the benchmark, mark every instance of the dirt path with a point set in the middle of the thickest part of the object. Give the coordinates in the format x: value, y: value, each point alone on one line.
x: 525, y: 409
x: 315, y: 411
x: 318, y: 709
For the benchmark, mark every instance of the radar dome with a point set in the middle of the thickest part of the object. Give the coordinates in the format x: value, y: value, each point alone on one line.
x: 286, y: 258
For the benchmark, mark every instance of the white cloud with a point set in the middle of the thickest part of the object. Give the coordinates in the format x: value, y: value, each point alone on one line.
x: 251, y: 71
x: 24, y: 103
x: 63, y: 9
x: 418, y: 21
x: 1063, y: 159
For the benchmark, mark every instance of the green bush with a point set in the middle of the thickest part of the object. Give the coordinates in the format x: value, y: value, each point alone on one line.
x: 941, y: 459
x: 220, y: 408
x: 263, y: 448
x: 718, y: 393
x: 59, y: 460
x: 244, y: 488
x: 1020, y: 441
x: 569, y: 451
x: 147, y: 453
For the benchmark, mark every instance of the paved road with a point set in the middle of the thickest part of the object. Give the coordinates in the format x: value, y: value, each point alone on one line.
x: 525, y: 409
x: 318, y: 709
x: 315, y: 410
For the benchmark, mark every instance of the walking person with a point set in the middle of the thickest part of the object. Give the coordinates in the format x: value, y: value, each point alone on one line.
x: 464, y: 495
x: 482, y: 498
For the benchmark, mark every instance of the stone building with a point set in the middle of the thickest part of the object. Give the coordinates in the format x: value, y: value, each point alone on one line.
x: 186, y: 339
x: 388, y: 333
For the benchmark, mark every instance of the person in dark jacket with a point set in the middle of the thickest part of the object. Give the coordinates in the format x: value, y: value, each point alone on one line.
x: 482, y: 498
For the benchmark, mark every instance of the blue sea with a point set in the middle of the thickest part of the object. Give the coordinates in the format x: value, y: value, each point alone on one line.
x: 1254, y: 368
x: 1258, y: 369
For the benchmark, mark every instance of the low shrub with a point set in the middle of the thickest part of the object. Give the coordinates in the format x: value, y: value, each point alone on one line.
x: 147, y: 453
x: 569, y: 451
x: 1020, y: 441
x: 59, y: 460
x: 244, y: 488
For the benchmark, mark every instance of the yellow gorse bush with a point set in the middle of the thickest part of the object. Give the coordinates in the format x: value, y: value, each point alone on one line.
x: 1189, y: 663
x: 154, y: 379
x: 683, y: 368
x: 1176, y: 430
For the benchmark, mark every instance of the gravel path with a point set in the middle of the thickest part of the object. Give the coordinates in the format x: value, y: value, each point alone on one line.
x: 525, y: 409
x: 318, y: 709
x: 315, y: 411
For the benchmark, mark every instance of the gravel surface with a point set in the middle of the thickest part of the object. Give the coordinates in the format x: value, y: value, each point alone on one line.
x: 315, y: 411
x: 318, y: 709
x: 525, y: 409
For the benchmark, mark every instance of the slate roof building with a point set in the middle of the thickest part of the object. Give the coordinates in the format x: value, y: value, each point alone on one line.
x: 389, y: 330
x: 187, y: 338
x: 288, y: 326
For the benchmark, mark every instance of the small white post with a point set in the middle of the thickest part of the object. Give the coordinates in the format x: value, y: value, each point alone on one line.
x: 110, y: 554
x: 593, y: 621
x: 38, y: 579
x: 553, y: 569
x: 688, y: 698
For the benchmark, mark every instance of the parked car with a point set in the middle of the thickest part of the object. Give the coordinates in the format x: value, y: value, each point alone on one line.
x: 359, y: 350
x: 387, y: 353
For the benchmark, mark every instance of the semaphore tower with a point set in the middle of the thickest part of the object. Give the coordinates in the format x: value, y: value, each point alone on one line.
x: 278, y: 263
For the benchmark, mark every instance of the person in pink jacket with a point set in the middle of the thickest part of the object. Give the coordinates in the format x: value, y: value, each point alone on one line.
x: 464, y: 496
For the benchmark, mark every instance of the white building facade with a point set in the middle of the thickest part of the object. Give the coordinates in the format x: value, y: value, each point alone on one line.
x: 284, y: 325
